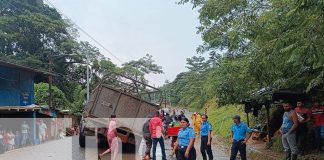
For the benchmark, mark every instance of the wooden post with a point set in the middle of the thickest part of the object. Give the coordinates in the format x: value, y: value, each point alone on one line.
x: 247, y: 119
x: 268, y: 121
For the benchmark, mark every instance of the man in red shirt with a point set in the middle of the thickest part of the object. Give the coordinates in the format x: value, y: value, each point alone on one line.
x: 318, y: 118
x: 304, y: 116
x: 156, y: 130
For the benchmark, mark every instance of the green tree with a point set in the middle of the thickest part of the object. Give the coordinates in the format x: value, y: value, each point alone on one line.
x: 30, y: 30
x: 60, y: 101
x: 264, y: 43
x: 41, y: 96
x: 137, y: 69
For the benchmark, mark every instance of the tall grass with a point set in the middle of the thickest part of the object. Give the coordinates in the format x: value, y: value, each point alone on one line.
x: 221, y: 118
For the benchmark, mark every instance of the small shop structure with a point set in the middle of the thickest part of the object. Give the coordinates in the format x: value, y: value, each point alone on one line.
x: 17, y: 101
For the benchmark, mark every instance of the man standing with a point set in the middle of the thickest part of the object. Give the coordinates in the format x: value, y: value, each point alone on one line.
x: 205, y: 132
x: 156, y: 130
x: 42, y: 131
x: 24, y: 133
x: 239, y: 138
x: 304, y: 116
x: 318, y: 118
x: 147, y: 138
x: 167, y: 120
x: 288, y: 131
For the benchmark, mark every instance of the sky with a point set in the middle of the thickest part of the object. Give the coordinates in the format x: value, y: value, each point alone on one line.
x: 130, y: 29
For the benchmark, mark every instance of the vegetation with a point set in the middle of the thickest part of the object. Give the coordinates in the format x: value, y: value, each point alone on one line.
x: 32, y: 34
x: 75, y: 106
x: 41, y: 96
x: 222, y: 121
x: 253, y: 45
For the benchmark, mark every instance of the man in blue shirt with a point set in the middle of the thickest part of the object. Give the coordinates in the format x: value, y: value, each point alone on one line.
x: 239, y: 138
x: 205, y: 132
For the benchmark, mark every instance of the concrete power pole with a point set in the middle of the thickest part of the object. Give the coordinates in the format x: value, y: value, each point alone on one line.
x: 50, y: 81
x: 88, y: 83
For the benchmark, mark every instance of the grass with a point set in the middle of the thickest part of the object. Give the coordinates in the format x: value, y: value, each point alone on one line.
x: 221, y: 118
x: 258, y: 156
x: 276, y: 144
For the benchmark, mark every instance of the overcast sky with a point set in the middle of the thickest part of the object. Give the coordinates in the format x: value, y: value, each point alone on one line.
x: 130, y: 29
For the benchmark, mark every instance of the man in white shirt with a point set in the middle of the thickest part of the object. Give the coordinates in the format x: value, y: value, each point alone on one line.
x: 42, y: 131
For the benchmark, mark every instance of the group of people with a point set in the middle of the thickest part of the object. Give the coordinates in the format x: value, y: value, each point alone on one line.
x: 183, y: 147
x: 295, y: 125
x: 10, y: 139
x: 294, y: 130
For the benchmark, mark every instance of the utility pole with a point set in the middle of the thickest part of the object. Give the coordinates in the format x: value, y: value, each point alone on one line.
x: 88, y: 83
x: 50, y: 76
x: 267, y: 106
x: 50, y: 81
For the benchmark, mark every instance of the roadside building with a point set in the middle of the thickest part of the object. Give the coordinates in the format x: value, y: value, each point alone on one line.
x: 17, y: 98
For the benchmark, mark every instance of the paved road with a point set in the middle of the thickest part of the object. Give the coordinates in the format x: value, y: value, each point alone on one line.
x: 68, y: 149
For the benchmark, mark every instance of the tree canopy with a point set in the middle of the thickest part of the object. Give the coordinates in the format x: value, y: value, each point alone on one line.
x: 32, y: 33
x: 260, y: 44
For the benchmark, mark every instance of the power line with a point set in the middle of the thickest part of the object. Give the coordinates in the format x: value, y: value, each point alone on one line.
x: 86, y: 33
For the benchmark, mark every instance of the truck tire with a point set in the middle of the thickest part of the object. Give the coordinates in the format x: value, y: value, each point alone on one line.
x: 82, y: 140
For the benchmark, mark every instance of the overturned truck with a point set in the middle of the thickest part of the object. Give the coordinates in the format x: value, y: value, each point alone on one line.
x: 130, y: 100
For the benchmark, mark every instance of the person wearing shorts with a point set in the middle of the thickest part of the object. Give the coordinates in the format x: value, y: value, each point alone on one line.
x: 42, y: 131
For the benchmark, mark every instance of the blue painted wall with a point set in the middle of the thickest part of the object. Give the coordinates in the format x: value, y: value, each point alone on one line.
x: 16, y: 87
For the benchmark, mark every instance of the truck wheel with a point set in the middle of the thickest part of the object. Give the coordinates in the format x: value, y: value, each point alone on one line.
x: 81, y: 140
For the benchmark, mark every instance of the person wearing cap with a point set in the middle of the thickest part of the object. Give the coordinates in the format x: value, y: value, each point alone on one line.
x: 205, y: 132
x: 239, y: 130
x: 185, y: 142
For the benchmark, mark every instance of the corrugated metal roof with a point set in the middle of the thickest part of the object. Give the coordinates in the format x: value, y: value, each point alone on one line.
x: 12, y: 65
x: 20, y: 108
